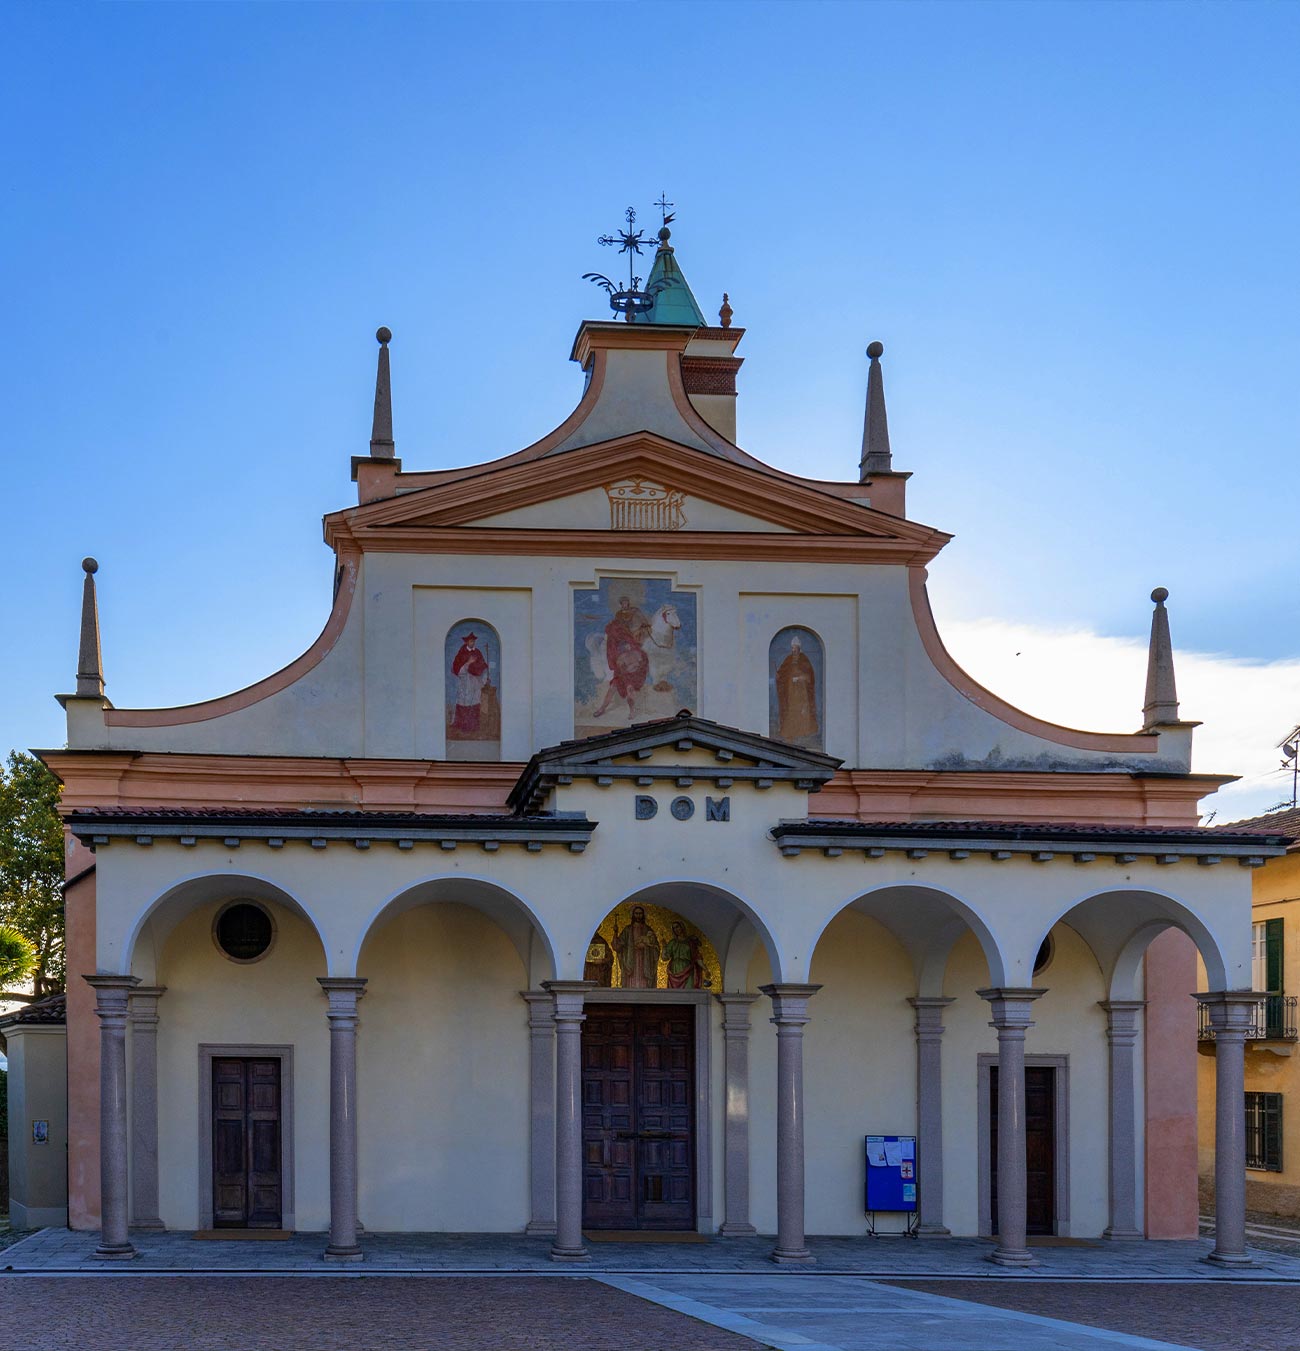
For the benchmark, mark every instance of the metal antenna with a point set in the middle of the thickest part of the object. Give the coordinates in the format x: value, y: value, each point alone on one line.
x: 1290, y: 748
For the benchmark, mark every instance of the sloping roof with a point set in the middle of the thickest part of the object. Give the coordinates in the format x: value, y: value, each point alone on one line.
x: 1286, y: 822
x: 51, y: 1011
x: 595, y: 756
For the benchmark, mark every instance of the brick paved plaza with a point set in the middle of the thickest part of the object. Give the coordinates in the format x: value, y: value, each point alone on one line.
x: 497, y: 1293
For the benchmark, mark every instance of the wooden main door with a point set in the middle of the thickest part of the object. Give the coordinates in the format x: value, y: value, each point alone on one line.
x: 246, y: 1143
x: 1040, y: 1148
x: 638, y: 1116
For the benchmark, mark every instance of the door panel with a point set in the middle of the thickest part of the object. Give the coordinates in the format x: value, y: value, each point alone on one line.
x: 638, y: 1117
x: 246, y: 1146
x: 1040, y: 1149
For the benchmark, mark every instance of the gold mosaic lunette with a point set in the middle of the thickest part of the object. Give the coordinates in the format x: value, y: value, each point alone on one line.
x: 661, y: 921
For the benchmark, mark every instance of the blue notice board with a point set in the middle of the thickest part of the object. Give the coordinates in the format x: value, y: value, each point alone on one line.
x: 891, y: 1172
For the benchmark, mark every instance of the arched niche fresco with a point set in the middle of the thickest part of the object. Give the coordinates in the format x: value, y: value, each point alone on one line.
x: 473, y: 685
x: 639, y: 946
x: 796, y: 688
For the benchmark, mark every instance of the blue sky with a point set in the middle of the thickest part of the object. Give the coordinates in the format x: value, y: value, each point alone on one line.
x: 1072, y: 225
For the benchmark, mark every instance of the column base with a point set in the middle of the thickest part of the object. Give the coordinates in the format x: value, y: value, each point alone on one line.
x: 730, y: 1230
x: 793, y: 1257
x: 1229, y: 1260
x: 933, y: 1231
x: 546, y: 1227
x: 570, y: 1255
x: 114, y: 1252
x: 343, y: 1254
x: 1122, y: 1235
x: 1013, y: 1257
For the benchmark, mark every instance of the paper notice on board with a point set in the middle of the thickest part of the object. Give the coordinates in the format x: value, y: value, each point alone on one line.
x: 909, y: 1191
x: 875, y: 1151
x: 909, y: 1148
x: 893, y: 1153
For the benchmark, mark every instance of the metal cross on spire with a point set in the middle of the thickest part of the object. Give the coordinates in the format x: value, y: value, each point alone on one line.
x: 629, y: 301
x: 665, y: 206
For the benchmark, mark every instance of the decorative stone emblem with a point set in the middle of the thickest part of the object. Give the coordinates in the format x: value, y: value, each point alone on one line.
x: 639, y: 504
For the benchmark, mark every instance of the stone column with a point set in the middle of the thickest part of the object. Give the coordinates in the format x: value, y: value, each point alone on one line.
x: 343, y: 992
x: 144, y: 1106
x: 1122, y: 1033
x: 1232, y: 1013
x: 112, y: 995
x: 541, y: 1107
x: 790, y: 1014
x: 929, y: 1112
x: 735, y: 1040
x: 569, y: 1017
x: 1011, y: 1009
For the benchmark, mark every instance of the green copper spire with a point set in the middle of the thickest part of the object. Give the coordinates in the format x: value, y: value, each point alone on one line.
x: 674, y: 303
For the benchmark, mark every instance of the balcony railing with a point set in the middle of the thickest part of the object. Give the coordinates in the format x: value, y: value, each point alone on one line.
x: 1273, y: 1019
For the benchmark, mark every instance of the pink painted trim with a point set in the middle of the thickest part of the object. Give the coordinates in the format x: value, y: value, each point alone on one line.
x: 263, y: 689
x: 1124, y: 742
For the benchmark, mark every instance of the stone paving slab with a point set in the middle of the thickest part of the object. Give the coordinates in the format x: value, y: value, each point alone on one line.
x: 204, y: 1313
x: 55, y: 1250
x: 1208, y: 1317
x: 850, y: 1313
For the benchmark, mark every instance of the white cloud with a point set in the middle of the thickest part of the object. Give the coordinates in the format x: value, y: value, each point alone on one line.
x: 1082, y: 679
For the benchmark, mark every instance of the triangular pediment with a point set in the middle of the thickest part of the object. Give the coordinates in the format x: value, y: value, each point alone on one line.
x: 681, y: 750
x: 729, y: 498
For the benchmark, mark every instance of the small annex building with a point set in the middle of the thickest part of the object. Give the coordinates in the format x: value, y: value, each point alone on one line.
x: 626, y: 850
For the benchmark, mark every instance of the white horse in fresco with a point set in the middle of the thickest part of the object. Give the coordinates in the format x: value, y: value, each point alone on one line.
x: 659, y: 646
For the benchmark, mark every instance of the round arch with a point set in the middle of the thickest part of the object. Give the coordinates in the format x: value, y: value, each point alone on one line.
x: 927, y: 921
x: 520, y: 922
x: 183, y: 896
x: 1118, y: 924
x: 729, y: 921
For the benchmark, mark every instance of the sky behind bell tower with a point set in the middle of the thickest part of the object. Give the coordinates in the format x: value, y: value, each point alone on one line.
x: 1073, y: 226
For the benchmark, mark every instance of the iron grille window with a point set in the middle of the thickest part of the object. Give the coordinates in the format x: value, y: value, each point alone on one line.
x: 1264, y: 1131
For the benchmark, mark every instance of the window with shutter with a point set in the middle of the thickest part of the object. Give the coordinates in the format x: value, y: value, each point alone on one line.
x: 1264, y: 1131
x: 1273, y: 984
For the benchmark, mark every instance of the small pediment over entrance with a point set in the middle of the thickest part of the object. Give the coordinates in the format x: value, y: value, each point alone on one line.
x: 681, y: 750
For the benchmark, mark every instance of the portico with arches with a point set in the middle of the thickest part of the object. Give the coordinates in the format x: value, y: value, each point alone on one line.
x: 607, y: 867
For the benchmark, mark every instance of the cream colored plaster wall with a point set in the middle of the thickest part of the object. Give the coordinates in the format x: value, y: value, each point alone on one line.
x: 442, y: 1075
x: 635, y: 397
x: 212, y: 1000
x: 1067, y: 1022
x: 731, y: 868
x: 38, y: 1091
x: 378, y: 692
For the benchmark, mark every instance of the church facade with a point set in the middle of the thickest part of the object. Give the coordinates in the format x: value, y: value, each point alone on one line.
x: 625, y: 852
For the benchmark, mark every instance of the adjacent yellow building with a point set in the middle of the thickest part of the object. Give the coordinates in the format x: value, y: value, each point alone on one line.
x: 1272, y: 1063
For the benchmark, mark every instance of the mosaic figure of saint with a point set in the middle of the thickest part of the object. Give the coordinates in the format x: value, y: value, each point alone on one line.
x: 796, y: 695
x: 637, y: 947
x: 682, y: 953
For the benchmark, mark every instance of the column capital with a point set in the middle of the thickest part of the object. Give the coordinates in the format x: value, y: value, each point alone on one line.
x: 1121, y: 1018
x: 1011, y: 1006
x: 929, y: 1014
x: 112, y: 994
x: 735, y: 1012
x: 790, y: 1003
x: 143, y: 1007
x: 342, y: 993
x: 569, y: 996
x: 540, y: 1005
x: 1232, y: 1012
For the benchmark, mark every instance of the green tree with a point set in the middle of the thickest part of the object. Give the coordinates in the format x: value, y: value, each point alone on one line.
x: 31, y: 865
x: 17, y: 956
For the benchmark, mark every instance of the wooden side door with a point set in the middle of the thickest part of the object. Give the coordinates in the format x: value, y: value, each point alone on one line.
x: 246, y: 1181
x: 665, y: 1102
x: 608, y: 1118
x: 1040, y: 1149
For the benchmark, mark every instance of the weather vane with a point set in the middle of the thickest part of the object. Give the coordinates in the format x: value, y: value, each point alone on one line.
x: 629, y: 300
